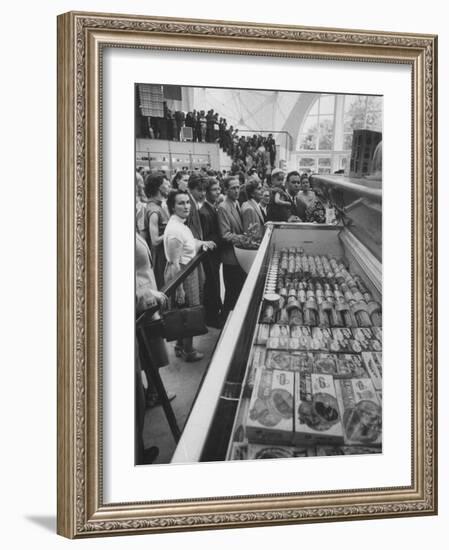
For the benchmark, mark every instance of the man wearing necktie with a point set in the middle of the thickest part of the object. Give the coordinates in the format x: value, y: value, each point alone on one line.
x: 252, y: 216
x: 209, y: 223
x: 283, y: 205
x: 231, y: 229
x: 196, y: 192
x: 264, y: 202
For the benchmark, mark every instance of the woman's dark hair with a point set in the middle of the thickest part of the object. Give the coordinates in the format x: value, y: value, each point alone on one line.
x: 176, y: 178
x: 251, y: 187
x: 172, y: 198
x: 152, y: 183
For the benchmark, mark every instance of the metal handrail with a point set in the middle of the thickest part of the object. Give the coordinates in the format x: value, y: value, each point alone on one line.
x: 344, y: 184
x: 169, y: 288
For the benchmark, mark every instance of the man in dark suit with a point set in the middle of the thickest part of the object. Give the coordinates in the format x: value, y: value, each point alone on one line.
x: 195, y: 125
x: 196, y: 192
x: 271, y: 148
x: 209, y: 126
x: 209, y: 223
x: 231, y: 230
x: 264, y: 202
x: 180, y: 119
x: 283, y: 204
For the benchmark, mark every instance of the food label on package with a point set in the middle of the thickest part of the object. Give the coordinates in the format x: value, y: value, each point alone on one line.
x: 350, y: 365
x: 279, y: 360
x: 361, y: 411
x: 321, y: 338
x: 303, y: 337
x: 270, y: 414
x: 367, y: 340
x: 278, y: 342
x: 324, y: 363
x: 317, y: 415
x: 301, y: 361
x: 373, y: 365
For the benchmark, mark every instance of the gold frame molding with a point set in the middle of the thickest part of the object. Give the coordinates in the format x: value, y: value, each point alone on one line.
x: 81, y: 37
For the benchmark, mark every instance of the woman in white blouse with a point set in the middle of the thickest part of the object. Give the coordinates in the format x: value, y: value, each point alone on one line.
x: 180, y: 247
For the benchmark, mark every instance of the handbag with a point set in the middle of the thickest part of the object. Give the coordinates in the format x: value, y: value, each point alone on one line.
x: 184, y: 323
x: 150, y: 334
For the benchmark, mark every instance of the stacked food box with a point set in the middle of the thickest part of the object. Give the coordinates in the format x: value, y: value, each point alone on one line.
x: 315, y: 371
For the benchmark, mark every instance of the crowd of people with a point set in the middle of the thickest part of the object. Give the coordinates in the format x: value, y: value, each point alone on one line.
x: 209, y: 127
x: 210, y: 211
x: 254, y: 153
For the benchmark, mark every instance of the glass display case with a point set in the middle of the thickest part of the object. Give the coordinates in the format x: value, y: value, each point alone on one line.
x: 297, y: 370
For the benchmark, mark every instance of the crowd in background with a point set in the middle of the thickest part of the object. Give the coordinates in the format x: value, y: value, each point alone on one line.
x: 209, y: 127
x: 254, y: 153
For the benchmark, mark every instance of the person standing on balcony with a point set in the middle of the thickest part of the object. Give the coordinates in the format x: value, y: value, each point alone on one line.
x: 180, y: 119
x: 203, y: 126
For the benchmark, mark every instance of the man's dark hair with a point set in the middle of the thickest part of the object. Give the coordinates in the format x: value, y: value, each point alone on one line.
x: 196, y: 180
x: 241, y: 176
x: 291, y: 174
x: 227, y: 181
x: 209, y: 183
x: 152, y: 183
x: 251, y: 187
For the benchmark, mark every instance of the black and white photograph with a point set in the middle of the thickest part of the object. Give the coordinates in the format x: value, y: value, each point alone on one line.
x: 258, y: 268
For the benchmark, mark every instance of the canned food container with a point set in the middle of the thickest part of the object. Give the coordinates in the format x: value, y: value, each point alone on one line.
x: 272, y: 298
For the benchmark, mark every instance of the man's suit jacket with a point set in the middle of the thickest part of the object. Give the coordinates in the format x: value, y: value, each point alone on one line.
x: 211, y: 232
x: 230, y: 227
x: 279, y: 213
x: 264, y: 214
x: 212, y: 299
x: 193, y: 221
x: 251, y: 214
x: 209, y: 223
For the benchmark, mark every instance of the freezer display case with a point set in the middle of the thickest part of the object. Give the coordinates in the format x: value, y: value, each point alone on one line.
x: 297, y: 370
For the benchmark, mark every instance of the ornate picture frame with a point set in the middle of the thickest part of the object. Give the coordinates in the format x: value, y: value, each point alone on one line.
x: 82, y: 38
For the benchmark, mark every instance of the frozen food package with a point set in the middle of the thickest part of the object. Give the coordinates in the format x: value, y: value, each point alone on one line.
x: 373, y: 365
x: 270, y: 414
x: 317, y: 415
x: 361, y: 411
